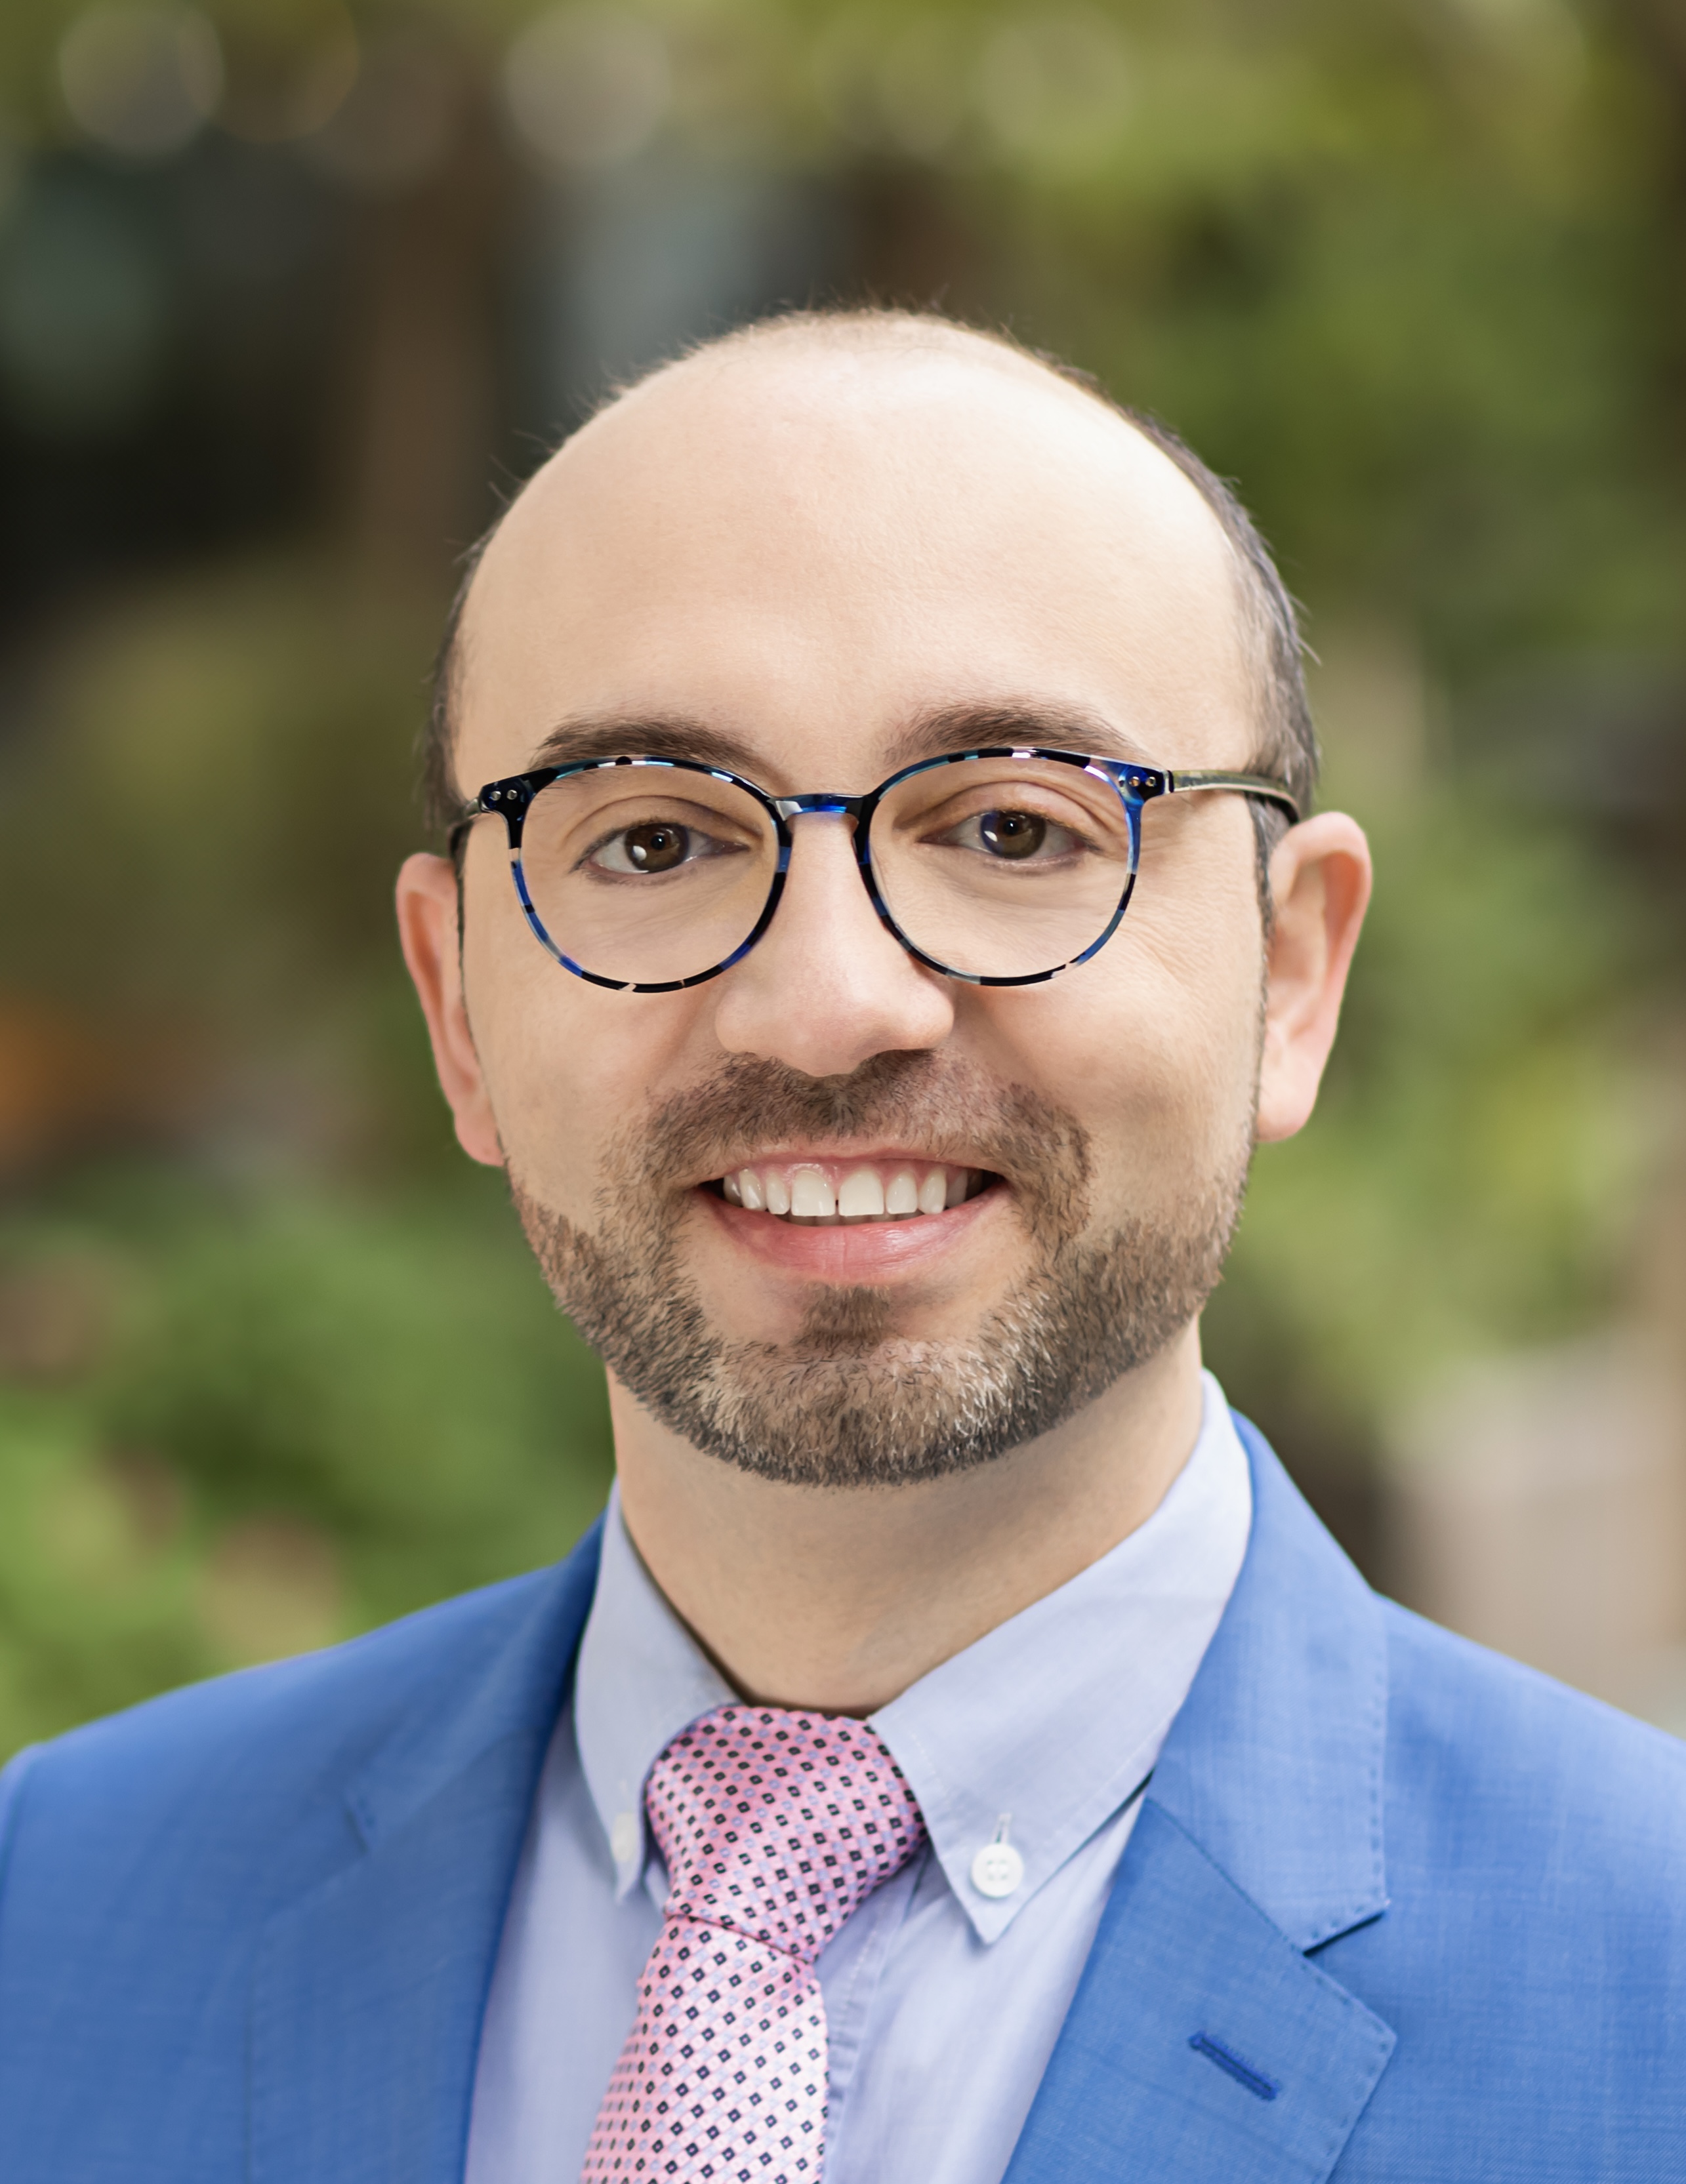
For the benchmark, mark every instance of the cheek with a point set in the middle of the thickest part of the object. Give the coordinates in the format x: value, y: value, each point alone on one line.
x: 1151, y: 1047
x: 566, y: 1064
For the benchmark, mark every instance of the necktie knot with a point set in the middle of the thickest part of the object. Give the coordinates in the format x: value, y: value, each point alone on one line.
x: 774, y: 1826
x: 777, y: 1824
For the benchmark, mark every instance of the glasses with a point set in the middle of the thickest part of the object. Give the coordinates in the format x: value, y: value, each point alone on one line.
x: 1001, y: 867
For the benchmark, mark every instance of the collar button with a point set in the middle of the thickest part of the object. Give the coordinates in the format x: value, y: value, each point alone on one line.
x: 997, y: 1869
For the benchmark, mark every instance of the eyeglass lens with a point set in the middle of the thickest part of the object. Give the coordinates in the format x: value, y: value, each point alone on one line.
x: 992, y: 867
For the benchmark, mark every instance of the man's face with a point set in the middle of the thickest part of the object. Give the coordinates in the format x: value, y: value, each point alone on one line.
x: 825, y: 561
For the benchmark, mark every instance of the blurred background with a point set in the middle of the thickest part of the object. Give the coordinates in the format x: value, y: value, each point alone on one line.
x: 294, y: 293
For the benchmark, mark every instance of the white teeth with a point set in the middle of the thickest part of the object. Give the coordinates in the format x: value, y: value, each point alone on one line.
x: 805, y: 1192
x: 902, y: 1193
x: 811, y: 1197
x: 860, y: 1196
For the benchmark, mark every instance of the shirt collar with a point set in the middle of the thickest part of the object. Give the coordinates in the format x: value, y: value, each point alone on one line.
x: 1049, y: 1722
x: 641, y: 1679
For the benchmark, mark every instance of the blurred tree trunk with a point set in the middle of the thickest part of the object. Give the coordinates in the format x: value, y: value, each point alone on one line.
x: 1658, y: 29
x: 910, y: 245
x: 419, y: 423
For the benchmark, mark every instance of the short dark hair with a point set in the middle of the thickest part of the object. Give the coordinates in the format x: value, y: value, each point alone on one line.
x: 1286, y: 743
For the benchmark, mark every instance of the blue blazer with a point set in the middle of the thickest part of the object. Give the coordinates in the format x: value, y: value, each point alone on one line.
x: 1395, y: 1910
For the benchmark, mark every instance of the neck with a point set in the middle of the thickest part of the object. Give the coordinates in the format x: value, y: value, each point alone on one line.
x: 839, y: 1599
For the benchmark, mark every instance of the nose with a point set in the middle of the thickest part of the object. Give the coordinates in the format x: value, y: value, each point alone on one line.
x: 828, y: 985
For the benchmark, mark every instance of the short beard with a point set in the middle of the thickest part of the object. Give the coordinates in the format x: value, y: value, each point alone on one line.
x: 847, y: 1403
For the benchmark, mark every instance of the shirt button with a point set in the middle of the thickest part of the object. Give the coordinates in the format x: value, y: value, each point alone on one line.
x: 623, y: 1838
x: 997, y: 1869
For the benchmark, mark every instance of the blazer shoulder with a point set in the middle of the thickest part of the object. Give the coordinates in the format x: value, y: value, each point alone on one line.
x: 1488, y: 1743
x: 270, y: 1736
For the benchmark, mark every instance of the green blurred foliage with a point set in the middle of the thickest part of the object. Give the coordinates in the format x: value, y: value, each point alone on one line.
x: 236, y: 1422
x: 1475, y: 1174
x: 273, y: 1367
x: 227, y: 760
x: 291, y: 1371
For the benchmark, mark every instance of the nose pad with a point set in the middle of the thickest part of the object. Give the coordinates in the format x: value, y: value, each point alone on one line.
x: 840, y: 816
x: 842, y: 813
x: 849, y: 820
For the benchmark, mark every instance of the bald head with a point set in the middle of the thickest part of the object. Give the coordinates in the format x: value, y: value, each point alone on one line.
x: 976, y: 489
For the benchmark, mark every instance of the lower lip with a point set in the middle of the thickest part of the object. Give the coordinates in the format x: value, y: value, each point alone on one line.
x: 863, y: 1252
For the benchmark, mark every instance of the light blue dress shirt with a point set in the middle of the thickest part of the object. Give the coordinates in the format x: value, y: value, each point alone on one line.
x: 943, y: 2002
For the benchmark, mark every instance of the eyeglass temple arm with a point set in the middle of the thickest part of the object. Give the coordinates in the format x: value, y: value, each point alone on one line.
x: 1249, y: 784
x: 475, y: 808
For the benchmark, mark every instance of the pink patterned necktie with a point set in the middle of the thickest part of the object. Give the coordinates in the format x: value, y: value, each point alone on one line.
x: 774, y: 1826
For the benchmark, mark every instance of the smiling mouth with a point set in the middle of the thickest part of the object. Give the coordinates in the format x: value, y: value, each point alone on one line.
x: 835, y: 1193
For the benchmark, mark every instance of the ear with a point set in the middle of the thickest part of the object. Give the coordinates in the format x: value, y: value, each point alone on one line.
x: 1320, y: 883
x: 427, y: 928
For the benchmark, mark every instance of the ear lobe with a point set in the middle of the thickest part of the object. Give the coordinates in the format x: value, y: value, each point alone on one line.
x: 427, y: 913
x: 1319, y: 882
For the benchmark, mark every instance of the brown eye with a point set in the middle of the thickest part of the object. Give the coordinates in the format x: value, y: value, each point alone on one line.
x: 656, y: 848
x: 1012, y: 834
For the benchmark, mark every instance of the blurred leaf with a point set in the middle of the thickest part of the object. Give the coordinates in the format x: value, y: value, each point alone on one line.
x: 310, y: 1416
x: 1472, y: 1178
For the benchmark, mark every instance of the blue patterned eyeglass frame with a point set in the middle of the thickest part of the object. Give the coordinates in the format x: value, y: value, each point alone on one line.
x: 1137, y: 786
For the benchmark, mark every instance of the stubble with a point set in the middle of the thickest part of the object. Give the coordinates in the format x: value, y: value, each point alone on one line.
x: 848, y: 1402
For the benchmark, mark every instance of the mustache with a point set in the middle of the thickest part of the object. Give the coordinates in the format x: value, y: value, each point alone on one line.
x: 944, y: 1106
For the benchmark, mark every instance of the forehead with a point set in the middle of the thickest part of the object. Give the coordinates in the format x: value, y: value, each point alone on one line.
x: 806, y: 548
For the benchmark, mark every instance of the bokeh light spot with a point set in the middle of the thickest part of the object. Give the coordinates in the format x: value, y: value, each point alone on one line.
x: 1055, y: 87
x: 141, y: 81
x: 586, y: 86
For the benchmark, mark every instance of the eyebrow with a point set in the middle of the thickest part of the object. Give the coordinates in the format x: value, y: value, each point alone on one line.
x: 932, y: 733
x: 662, y: 736
x: 1015, y: 722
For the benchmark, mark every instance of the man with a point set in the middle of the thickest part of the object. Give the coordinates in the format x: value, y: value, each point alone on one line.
x: 959, y: 1754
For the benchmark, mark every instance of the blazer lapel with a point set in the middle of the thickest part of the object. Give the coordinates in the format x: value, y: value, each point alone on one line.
x: 371, y: 1985
x: 1204, y: 2043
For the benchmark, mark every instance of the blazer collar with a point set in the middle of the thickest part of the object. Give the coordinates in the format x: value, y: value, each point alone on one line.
x: 1275, y: 1765
x: 510, y: 1681
x: 1202, y: 2037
